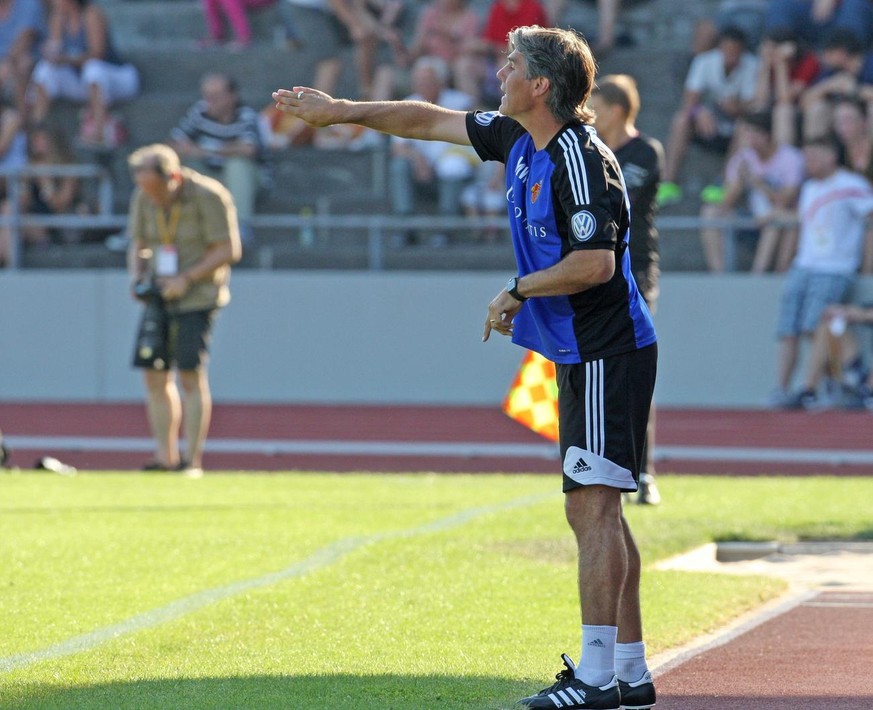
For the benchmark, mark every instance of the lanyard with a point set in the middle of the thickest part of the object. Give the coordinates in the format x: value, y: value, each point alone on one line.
x: 168, y: 231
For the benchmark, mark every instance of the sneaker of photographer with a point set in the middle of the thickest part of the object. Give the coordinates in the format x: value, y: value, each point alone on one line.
x: 639, y: 695
x: 570, y: 693
x: 808, y: 400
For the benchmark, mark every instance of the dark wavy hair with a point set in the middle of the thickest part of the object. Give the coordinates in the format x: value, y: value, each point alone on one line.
x: 565, y: 59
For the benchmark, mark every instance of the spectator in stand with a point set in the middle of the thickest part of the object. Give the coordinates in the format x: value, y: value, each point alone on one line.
x: 837, y: 354
x: 489, y: 50
x: 13, y: 154
x: 812, y: 20
x: 80, y: 64
x: 418, y: 166
x: 220, y: 137
x: 616, y: 103
x: 449, y: 29
x: 22, y: 28
x: 852, y: 129
x: 786, y: 68
x: 607, y: 19
x: 234, y: 12
x: 486, y: 197
x: 339, y: 24
x: 833, y: 208
x: 47, y: 194
x: 766, y: 177
x: 847, y: 71
x: 719, y: 88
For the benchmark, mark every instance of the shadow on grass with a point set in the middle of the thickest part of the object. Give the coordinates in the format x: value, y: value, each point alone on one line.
x: 338, y: 692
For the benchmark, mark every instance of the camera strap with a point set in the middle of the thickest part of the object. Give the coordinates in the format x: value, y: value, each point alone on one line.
x: 167, y: 231
x: 168, y: 256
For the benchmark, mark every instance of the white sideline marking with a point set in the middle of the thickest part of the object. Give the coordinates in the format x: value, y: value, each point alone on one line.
x: 319, y: 560
x: 471, y: 450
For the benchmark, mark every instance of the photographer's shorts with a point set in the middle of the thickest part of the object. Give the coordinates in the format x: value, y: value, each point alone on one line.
x: 603, y: 410
x: 188, y: 338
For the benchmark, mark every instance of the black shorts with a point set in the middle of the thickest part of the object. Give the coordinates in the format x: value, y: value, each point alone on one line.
x: 603, y: 410
x: 188, y: 337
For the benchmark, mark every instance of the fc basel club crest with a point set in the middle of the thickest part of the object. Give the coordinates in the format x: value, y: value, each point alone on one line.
x: 535, y: 191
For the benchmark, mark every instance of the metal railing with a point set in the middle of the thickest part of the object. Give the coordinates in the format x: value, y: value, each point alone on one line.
x: 16, y: 219
x: 375, y: 228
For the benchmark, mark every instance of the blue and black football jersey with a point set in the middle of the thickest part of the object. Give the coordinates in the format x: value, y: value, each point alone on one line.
x: 568, y: 196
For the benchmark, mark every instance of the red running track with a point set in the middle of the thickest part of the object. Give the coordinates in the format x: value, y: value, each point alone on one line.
x: 817, y: 656
x: 688, y: 440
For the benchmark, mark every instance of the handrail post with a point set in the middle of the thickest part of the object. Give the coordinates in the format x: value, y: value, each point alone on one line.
x: 374, y: 245
x: 104, y: 193
x: 729, y: 242
x: 13, y: 185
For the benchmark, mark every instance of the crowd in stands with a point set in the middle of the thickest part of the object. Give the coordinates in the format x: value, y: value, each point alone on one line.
x: 55, y: 50
x: 790, y: 118
x: 773, y: 97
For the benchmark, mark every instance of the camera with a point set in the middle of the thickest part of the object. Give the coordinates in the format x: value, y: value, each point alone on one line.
x: 146, y: 290
x: 151, y: 340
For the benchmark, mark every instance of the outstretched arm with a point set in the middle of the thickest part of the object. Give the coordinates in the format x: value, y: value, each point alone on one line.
x: 407, y: 119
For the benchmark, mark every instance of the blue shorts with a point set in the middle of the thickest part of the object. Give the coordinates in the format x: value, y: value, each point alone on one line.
x: 804, y: 298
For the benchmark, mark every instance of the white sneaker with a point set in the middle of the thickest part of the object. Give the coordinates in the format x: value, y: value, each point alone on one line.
x: 648, y: 493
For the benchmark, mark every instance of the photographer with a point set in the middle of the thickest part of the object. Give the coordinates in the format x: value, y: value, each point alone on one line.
x: 184, y: 238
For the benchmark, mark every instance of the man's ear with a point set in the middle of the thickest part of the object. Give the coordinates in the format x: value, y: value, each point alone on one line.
x: 541, y: 86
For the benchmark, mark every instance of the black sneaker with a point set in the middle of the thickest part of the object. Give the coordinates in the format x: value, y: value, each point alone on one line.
x: 639, y: 695
x: 805, y: 399
x: 569, y: 693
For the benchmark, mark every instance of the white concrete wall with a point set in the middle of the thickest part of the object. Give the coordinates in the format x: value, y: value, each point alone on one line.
x: 364, y: 337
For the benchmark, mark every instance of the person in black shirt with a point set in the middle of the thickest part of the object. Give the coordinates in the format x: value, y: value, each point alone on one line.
x: 616, y: 103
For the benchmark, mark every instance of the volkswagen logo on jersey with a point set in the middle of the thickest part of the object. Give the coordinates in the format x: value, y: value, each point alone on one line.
x: 584, y: 225
x: 486, y: 118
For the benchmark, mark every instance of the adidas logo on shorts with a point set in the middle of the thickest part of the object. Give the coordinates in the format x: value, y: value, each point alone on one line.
x: 581, y: 467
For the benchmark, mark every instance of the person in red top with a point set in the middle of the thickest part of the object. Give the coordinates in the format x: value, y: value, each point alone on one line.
x: 505, y: 15
x: 488, y: 52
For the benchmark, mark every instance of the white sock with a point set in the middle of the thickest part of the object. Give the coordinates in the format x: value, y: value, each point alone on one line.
x: 630, y: 661
x: 597, y: 663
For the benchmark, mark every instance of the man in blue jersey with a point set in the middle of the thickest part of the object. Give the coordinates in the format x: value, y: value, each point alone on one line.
x: 575, y: 301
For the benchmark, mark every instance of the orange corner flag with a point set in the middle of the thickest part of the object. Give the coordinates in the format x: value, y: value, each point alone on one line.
x: 532, y: 399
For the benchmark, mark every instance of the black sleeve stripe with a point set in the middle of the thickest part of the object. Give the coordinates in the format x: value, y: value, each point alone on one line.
x: 576, y: 173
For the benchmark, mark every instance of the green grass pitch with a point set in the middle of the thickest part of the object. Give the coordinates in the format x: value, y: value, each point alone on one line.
x: 401, y: 592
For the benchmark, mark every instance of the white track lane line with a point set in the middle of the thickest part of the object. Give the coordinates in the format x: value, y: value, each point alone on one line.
x: 273, y: 447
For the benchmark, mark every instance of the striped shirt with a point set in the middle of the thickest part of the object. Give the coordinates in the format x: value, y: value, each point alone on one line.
x: 198, y: 127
